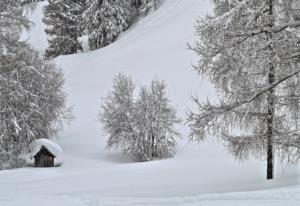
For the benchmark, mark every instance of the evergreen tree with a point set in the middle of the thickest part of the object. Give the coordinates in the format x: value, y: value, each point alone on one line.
x: 250, y: 51
x: 148, y: 5
x: 63, y: 19
x: 12, y: 22
x: 105, y: 20
x: 144, y: 6
x: 23, y: 2
x: 142, y: 128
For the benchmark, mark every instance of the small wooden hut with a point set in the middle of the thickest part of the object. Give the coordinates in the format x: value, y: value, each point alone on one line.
x: 44, y: 158
x: 44, y: 152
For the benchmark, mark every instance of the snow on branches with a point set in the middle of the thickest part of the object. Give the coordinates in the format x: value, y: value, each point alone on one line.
x: 105, y: 20
x: 63, y: 20
x: 31, y: 90
x: 250, y: 52
x: 143, y: 128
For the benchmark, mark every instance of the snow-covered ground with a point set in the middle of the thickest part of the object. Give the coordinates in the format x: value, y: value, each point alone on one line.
x: 198, y: 175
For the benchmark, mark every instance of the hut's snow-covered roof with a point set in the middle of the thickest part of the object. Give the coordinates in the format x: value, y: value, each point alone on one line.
x: 51, y: 146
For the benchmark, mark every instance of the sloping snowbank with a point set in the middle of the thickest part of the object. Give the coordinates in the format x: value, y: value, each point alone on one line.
x: 155, y: 47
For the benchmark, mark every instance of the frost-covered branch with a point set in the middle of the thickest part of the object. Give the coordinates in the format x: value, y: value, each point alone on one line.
x: 143, y: 128
x: 249, y: 50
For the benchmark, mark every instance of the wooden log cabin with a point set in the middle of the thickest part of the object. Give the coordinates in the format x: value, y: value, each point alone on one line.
x: 44, y: 158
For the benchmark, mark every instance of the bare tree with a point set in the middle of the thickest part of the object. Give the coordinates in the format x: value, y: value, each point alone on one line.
x: 249, y: 50
x: 117, y: 115
x: 142, y: 128
x: 156, y: 119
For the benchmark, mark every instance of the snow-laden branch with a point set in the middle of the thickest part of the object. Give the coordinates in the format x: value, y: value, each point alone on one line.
x: 226, y: 108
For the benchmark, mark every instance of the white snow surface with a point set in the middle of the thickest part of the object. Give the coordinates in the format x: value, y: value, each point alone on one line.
x: 51, y: 146
x: 202, y: 174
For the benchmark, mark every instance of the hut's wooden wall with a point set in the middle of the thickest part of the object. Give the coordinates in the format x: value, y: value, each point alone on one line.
x: 44, y: 160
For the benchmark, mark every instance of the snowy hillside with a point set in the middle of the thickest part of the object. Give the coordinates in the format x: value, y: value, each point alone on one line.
x: 154, y: 47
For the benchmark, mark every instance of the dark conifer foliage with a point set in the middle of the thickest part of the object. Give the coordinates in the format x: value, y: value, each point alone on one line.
x: 64, y: 26
x: 105, y: 20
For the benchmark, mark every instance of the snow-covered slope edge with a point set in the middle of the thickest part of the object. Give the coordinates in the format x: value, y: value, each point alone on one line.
x: 280, y: 197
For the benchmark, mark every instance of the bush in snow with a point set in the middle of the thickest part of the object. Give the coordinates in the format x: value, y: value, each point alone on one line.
x: 63, y: 20
x: 32, y: 100
x: 105, y: 20
x: 10, y: 160
x: 142, y: 128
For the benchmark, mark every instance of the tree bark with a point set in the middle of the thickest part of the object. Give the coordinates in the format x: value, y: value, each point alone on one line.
x: 271, y: 105
x: 270, y: 118
x: 153, y: 147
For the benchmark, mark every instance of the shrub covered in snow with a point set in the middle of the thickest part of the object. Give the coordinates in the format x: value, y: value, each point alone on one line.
x: 143, y: 128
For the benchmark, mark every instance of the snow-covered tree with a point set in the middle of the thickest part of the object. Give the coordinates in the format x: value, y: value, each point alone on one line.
x: 105, y: 20
x: 249, y: 49
x: 32, y: 101
x: 117, y: 114
x: 142, y: 128
x: 148, y: 5
x: 78, y: 12
x: 30, y: 1
x: 12, y: 22
x: 63, y: 19
x: 144, y: 6
x: 156, y: 119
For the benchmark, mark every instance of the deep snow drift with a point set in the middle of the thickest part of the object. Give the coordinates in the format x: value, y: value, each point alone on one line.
x: 154, y: 47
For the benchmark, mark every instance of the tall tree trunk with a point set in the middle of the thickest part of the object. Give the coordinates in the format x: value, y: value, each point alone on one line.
x: 270, y: 120
x: 153, y: 146
x: 271, y: 105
